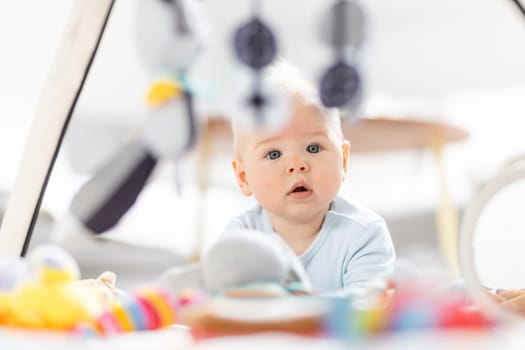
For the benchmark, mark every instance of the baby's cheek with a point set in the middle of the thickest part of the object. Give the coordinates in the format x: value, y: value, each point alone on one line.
x: 331, y: 180
x: 268, y: 188
x: 269, y: 185
x: 260, y: 179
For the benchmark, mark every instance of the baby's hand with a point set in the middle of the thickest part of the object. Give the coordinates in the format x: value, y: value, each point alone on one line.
x: 103, y: 286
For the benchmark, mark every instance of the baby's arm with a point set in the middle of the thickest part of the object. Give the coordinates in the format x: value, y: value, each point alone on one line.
x: 373, y: 257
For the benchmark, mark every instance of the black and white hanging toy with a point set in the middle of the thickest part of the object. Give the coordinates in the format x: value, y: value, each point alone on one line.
x: 343, y: 30
x: 256, y: 48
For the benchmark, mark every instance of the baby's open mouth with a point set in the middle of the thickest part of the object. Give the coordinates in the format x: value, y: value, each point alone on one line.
x: 300, y: 189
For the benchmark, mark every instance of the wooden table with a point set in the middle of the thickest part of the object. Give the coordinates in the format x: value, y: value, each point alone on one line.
x: 378, y: 134
x: 388, y: 134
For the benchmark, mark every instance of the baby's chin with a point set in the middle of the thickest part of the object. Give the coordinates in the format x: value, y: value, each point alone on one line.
x: 302, y: 213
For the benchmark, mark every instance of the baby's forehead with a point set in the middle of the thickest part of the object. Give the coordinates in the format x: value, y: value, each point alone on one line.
x: 296, y: 127
x: 305, y: 118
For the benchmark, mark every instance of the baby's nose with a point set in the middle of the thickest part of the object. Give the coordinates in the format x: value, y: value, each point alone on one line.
x: 297, y: 166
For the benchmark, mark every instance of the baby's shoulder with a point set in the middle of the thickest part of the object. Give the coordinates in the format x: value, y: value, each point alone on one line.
x: 354, y: 213
x: 351, y: 225
x: 248, y: 219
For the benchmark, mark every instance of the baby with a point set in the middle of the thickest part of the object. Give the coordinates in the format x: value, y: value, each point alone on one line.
x: 295, y: 175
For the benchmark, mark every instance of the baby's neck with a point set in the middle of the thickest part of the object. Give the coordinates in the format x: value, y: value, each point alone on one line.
x: 298, y: 235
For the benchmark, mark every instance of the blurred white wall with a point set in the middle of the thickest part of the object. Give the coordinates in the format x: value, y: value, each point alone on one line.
x: 419, y: 50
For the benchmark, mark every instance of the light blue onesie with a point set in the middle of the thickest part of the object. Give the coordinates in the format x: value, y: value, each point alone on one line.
x: 352, y: 247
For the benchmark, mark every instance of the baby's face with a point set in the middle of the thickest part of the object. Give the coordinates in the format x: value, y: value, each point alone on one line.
x: 296, y: 173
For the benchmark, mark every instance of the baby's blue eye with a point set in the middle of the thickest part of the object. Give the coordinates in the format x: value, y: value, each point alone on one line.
x: 313, y: 148
x: 273, y: 154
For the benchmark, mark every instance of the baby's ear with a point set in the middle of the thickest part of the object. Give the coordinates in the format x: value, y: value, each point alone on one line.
x: 346, y: 154
x: 240, y: 176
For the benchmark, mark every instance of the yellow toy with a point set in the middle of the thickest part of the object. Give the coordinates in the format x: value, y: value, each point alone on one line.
x: 53, y: 297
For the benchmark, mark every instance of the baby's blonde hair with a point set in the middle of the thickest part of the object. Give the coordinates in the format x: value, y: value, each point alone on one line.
x: 294, y: 84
